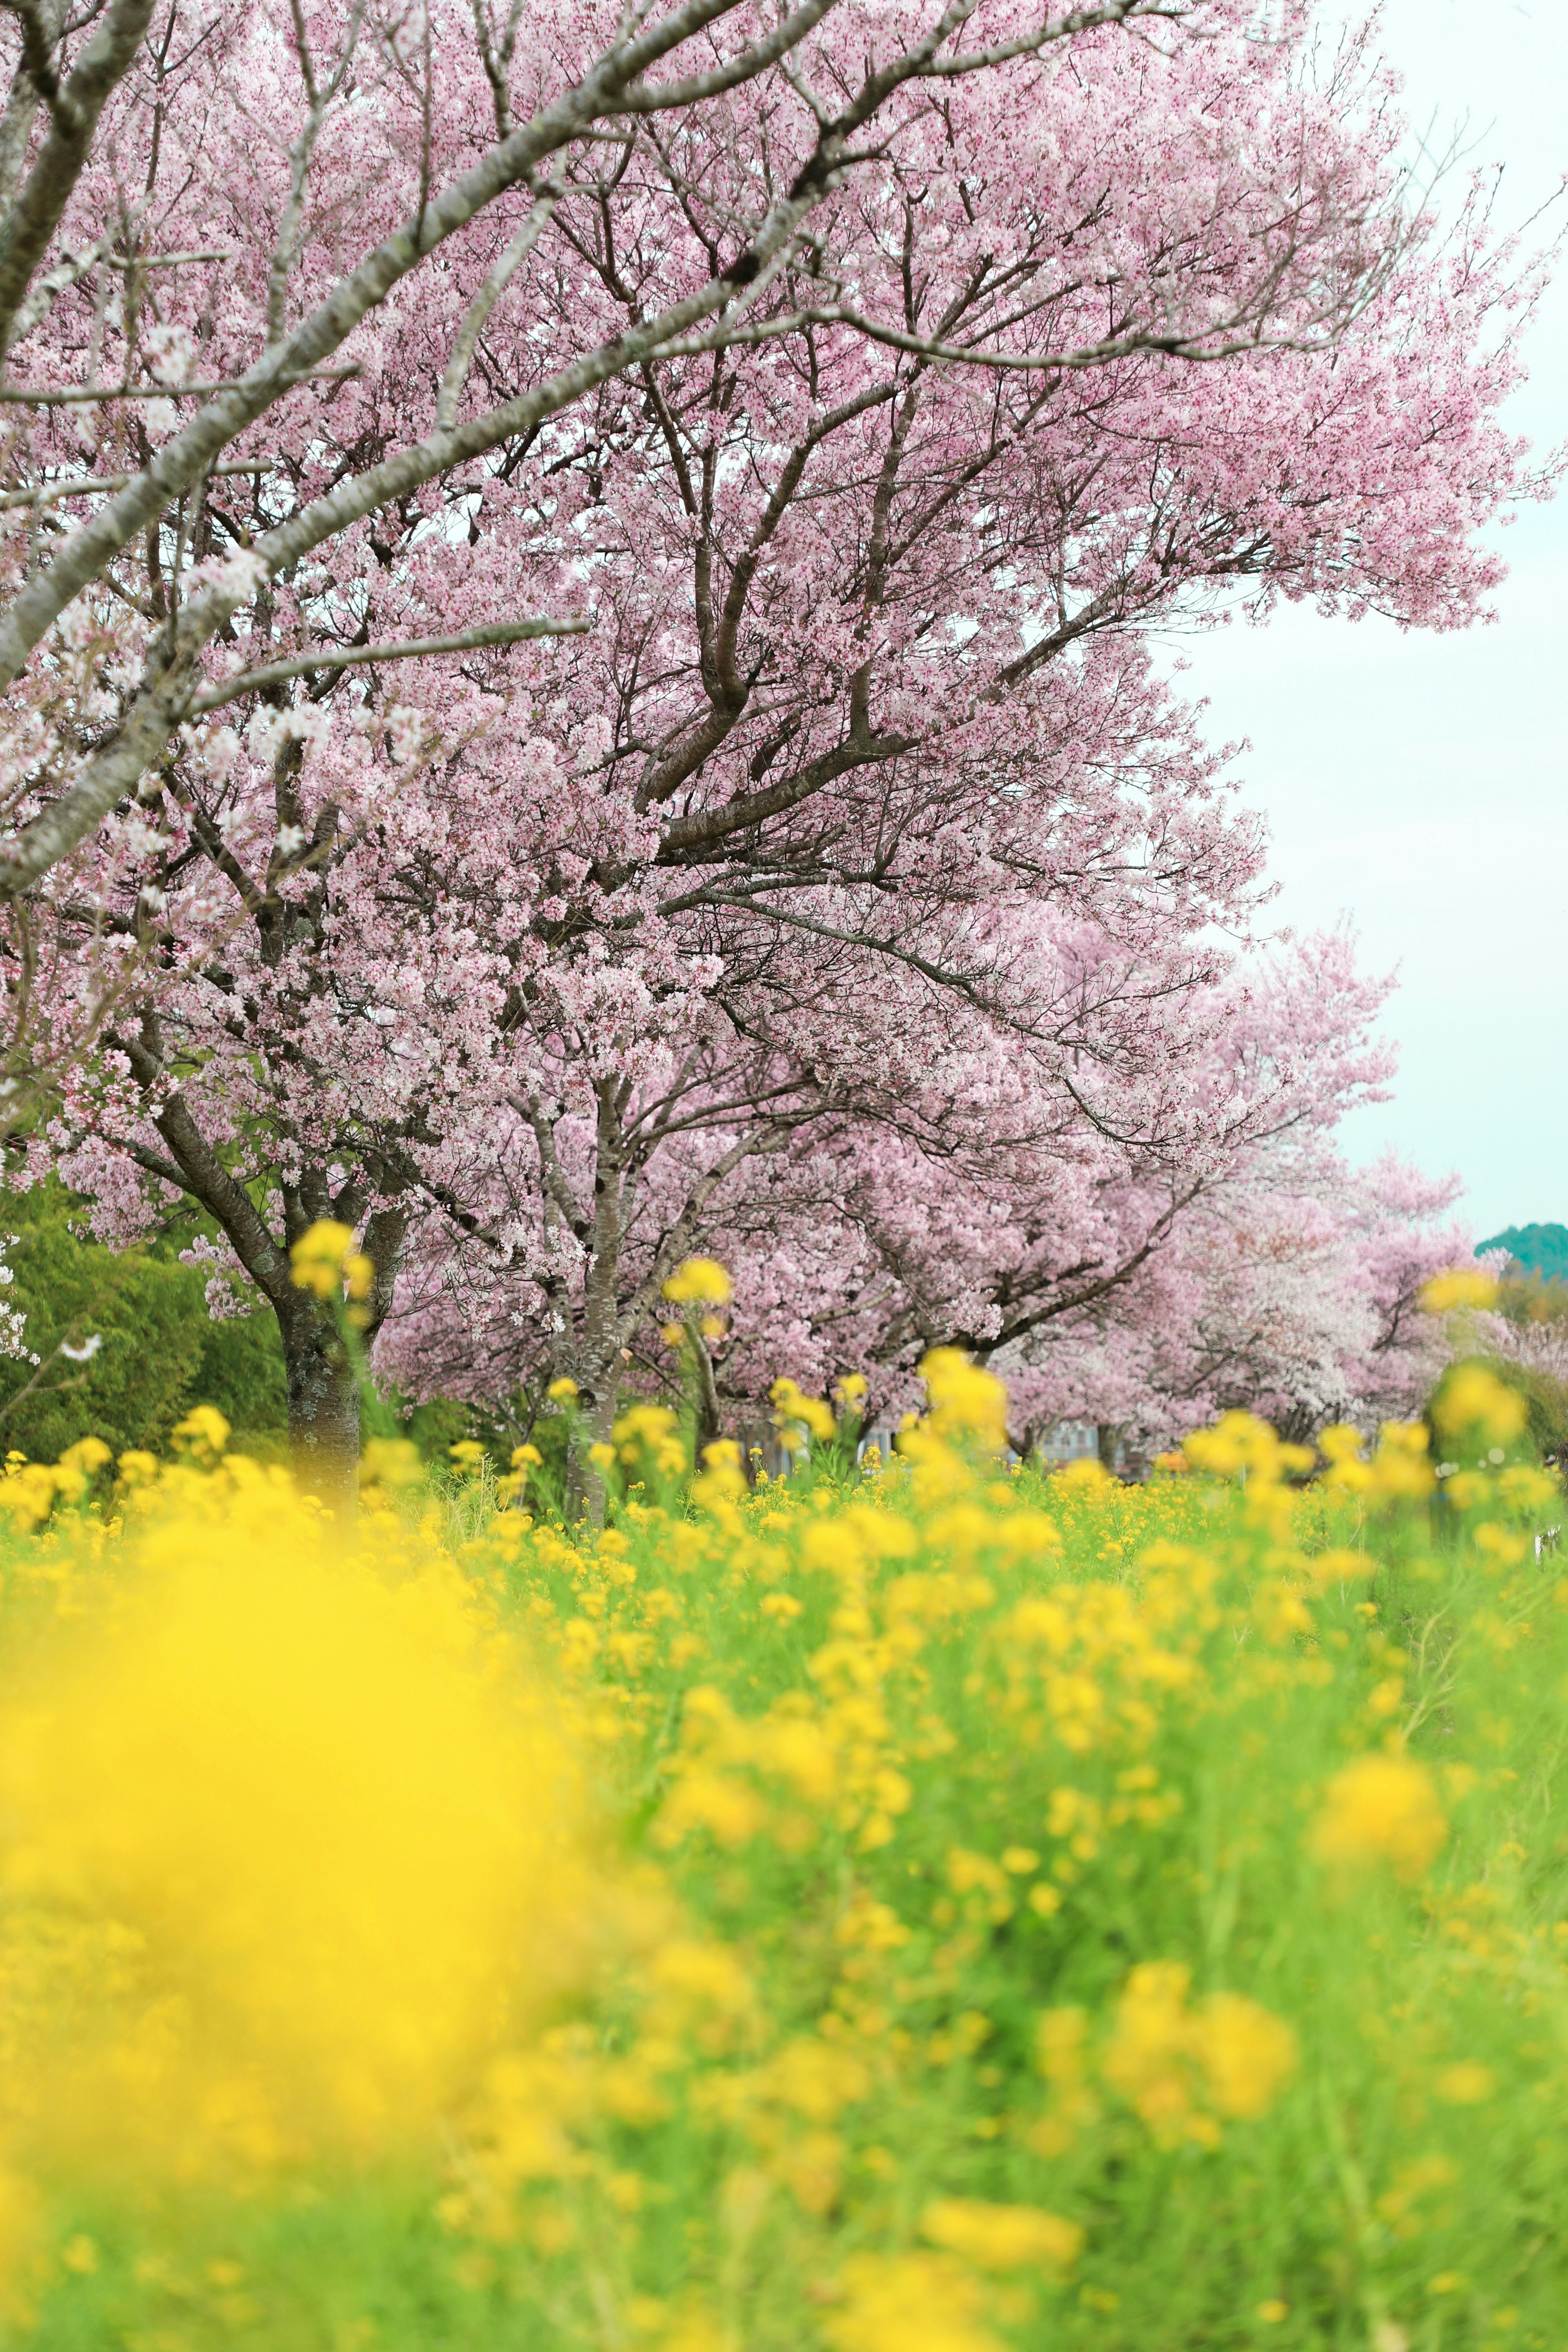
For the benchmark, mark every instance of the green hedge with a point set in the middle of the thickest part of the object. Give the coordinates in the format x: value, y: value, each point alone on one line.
x: 159, y: 1351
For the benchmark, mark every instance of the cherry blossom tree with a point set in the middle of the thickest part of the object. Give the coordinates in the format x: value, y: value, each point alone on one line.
x: 1140, y: 1282
x: 1293, y: 1293
x: 572, y: 586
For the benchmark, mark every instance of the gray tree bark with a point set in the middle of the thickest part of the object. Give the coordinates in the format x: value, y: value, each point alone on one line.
x: 324, y: 1404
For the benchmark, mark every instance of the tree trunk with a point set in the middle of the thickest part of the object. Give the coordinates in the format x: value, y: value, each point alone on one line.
x: 323, y: 1405
x: 587, y: 1493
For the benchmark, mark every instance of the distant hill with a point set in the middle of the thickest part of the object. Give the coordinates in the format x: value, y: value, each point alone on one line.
x: 1540, y: 1249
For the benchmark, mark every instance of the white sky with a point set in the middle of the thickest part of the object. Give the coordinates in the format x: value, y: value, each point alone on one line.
x: 1419, y: 785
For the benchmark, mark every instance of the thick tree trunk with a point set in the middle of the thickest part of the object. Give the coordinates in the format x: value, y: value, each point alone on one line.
x: 587, y: 1493
x: 323, y: 1405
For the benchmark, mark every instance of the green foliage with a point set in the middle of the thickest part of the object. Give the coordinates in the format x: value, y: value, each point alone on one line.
x: 159, y: 1354
x: 1540, y: 1249
x: 1534, y: 1299
x: 159, y: 1351
x: 1546, y: 1406
x: 241, y: 1372
x: 1527, y: 1298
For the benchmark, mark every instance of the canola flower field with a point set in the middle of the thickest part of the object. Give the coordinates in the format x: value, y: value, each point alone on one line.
x: 936, y: 1910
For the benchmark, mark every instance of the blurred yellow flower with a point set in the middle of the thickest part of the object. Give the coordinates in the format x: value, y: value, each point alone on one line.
x: 390, y: 1461
x: 205, y: 1428
x: 698, y: 1282
x: 1472, y: 1403
x: 311, y: 1803
x: 1464, y: 2084
x: 789, y: 1405
x: 1381, y: 1808
x: 359, y: 1273
x: 1462, y: 1285
x: 909, y: 2302
x: 966, y: 1401
x: 317, y: 1256
x: 1248, y: 2054
x: 1002, y: 2237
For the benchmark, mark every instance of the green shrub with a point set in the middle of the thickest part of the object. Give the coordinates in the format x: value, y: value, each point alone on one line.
x: 159, y: 1353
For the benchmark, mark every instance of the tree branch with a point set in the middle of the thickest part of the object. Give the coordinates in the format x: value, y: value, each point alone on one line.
x: 74, y: 107
x: 497, y: 633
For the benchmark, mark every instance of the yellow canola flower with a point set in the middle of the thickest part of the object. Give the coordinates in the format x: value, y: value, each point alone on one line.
x: 1002, y: 2237
x: 1466, y: 2085
x: 1180, y: 2067
x: 655, y: 1427
x: 1247, y: 2053
x: 844, y: 1708
x: 1399, y: 1470
x: 204, y: 1427
x: 909, y: 2302
x: 90, y: 1453
x: 965, y: 1400
x: 359, y: 1273
x: 1472, y: 1403
x: 318, y: 1257
x: 390, y: 1461
x: 307, y: 1855
x: 789, y: 1405
x: 698, y: 1282
x: 1381, y: 1808
x: 1239, y: 1443
x: 1461, y: 1286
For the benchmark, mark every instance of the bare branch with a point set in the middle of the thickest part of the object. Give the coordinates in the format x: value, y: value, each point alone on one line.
x: 1058, y: 29
x: 319, y: 103
x: 74, y: 395
x: 1172, y: 345
x: 484, y: 303
x: 41, y: 36
x: 54, y: 282
x: 652, y: 97
x: 86, y: 486
x: 498, y: 633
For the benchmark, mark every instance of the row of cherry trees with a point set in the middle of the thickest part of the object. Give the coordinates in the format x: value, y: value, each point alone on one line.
x: 1139, y: 1289
x: 573, y: 599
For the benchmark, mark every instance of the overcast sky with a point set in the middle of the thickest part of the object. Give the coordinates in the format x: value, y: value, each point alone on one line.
x: 1419, y: 785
